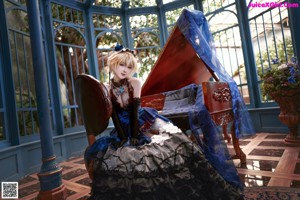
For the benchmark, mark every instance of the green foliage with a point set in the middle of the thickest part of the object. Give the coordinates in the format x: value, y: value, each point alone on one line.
x: 63, y: 13
x: 110, y: 3
x: 142, y: 3
x: 28, y: 120
x: 264, y: 60
x: 172, y: 16
x: 210, y: 6
x: 267, y: 71
x: 143, y: 21
x: 149, y: 51
x: 107, y: 21
x: 238, y: 71
x: 22, y: 67
x: 148, y: 58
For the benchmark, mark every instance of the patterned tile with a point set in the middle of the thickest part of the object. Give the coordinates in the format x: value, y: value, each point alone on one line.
x: 244, y: 143
x: 65, y: 167
x: 86, y: 181
x: 264, y: 165
x: 73, y: 174
x: 297, y: 168
x: 80, y: 162
x: 84, y: 198
x: 254, y: 180
x: 267, y: 152
x: 26, y: 179
x: 29, y: 190
x: 272, y: 143
x: 70, y: 192
x: 261, y: 170
x: 295, y: 184
x: 275, y: 136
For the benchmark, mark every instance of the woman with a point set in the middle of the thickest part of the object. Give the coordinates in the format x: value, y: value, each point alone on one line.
x: 146, y: 156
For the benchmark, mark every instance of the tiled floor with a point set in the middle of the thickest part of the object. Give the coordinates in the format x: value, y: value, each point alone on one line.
x: 269, y: 163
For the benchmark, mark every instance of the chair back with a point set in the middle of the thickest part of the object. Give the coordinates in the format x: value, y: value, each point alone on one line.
x: 94, y: 104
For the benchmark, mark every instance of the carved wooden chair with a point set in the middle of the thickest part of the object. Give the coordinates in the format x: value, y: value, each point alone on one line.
x: 95, y: 107
x: 217, y: 99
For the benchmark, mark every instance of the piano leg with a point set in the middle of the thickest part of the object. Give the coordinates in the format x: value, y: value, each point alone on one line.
x: 226, y: 136
x: 236, y: 145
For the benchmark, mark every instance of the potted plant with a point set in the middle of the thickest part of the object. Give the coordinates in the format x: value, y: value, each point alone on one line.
x: 282, y: 84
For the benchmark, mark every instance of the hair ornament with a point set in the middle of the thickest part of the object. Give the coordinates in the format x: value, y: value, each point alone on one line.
x: 120, y: 49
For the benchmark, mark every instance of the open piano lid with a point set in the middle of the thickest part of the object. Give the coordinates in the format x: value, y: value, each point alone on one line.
x: 177, y: 66
x: 190, y: 57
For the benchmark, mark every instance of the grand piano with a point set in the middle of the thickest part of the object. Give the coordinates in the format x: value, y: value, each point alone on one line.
x: 188, y: 85
x: 187, y: 80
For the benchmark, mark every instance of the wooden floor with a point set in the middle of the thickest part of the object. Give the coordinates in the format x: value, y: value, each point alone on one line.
x: 269, y: 163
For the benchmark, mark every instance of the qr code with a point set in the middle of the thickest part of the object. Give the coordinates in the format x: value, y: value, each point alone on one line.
x: 9, y: 190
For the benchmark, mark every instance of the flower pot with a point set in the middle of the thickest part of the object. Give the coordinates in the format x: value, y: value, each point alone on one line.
x: 289, y: 103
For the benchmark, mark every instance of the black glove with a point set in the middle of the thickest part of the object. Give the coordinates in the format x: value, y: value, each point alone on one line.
x: 135, y: 121
x: 120, y: 131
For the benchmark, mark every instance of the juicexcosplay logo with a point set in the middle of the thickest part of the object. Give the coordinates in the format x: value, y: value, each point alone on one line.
x: 273, y: 5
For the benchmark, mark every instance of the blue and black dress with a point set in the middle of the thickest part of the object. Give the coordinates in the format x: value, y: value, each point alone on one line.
x: 163, y: 163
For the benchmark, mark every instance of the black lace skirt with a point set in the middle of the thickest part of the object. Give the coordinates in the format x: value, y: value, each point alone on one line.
x: 170, y: 167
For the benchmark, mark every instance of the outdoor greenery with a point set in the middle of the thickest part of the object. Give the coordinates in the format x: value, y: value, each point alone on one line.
x: 28, y: 119
x: 273, y: 68
x: 280, y: 53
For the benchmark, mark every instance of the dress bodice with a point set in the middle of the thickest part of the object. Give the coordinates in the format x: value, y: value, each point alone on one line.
x: 121, y: 94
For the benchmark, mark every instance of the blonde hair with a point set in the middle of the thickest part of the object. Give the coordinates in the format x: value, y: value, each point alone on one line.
x: 126, y: 58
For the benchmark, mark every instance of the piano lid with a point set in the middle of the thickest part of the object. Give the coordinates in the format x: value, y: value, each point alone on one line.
x: 177, y: 66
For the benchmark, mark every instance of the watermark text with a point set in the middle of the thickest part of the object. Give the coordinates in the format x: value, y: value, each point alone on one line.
x: 273, y: 5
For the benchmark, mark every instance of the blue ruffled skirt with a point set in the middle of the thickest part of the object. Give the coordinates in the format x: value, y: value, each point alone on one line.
x: 147, y: 117
x: 164, y: 166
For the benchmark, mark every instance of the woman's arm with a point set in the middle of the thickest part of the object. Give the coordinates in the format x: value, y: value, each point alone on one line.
x: 136, y: 85
x: 118, y: 126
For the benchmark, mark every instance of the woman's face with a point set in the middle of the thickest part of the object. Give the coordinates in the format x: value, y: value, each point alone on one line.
x: 122, y: 71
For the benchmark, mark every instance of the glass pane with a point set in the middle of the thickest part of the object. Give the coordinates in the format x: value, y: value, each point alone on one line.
x: 107, y: 21
x: 173, y: 15
x: 272, y: 44
x: 71, y: 61
x: 148, y: 49
x: 18, y: 2
x: 244, y: 90
x: 63, y: 13
x: 18, y: 20
x: 109, y: 3
x: 143, y: 21
x: 213, y: 5
x: 2, y: 133
x: 169, y: 1
x: 142, y: 3
x: 23, y: 72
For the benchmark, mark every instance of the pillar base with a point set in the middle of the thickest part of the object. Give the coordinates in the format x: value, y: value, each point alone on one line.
x: 55, y: 194
x: 292, y: 141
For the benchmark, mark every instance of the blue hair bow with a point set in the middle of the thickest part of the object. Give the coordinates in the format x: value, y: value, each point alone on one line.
x: 121, y: 49
x: 118, y: 47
